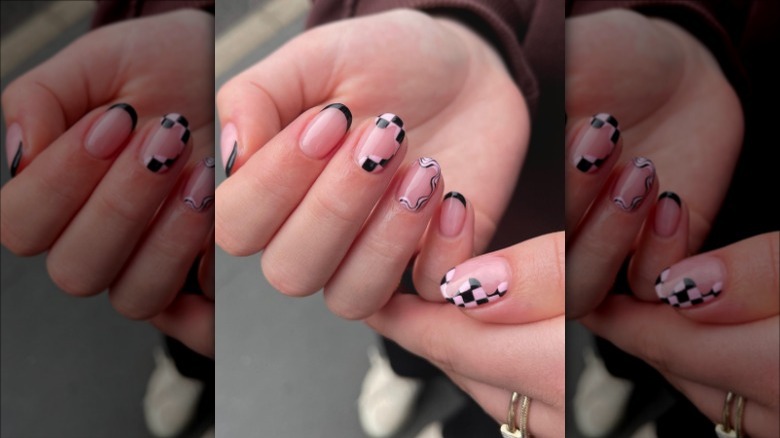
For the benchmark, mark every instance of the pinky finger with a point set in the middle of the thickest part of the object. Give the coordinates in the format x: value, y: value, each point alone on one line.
x: 449, y: 241
x: 190, y: 319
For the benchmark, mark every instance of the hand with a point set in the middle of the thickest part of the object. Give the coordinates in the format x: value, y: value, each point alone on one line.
x: 300, y: 194
x: 513, y: 343
x: 95, y: 192
x: 688, y: 124
x: 728, y: 342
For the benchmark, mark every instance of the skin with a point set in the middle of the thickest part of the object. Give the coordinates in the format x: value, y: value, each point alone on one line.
x: 663, y: 120
x: 61, y: 197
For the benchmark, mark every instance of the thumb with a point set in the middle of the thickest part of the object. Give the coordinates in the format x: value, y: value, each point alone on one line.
x: 734, y: 284
x: 43, y: 103
x: 515, y: 285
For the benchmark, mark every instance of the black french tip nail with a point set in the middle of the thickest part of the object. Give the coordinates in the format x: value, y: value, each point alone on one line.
x: 457, y: 196
x: 17, y: 159
x: 232, y: 159
x: 673, y: 196
x: 130, y: 110
x: 343, y: 108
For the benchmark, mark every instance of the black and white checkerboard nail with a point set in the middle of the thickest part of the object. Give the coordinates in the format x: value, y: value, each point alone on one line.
x: 374, y: 154
x: 594, y: 148
x: 167, y: 144
x: 470, y: 293
x: 692, y: 281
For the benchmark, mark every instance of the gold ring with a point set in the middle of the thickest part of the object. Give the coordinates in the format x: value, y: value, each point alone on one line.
x: 513, y: 428
x: 725, y: 428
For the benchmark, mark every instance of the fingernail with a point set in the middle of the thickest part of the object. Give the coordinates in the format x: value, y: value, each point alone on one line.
x: 229, y: 147
x: 419, y: 183
x: 696, y: 280
x: 166, y: 144
x: 667, y: 214
x: 325, y: 130
x: 381, y: 143
x: 634, y: 184
x: 111, y: 130
x: 476, y: 282
x: 13, y: 147
x: 453, y: 214
x: 596, y: 143
x: 199, y: 190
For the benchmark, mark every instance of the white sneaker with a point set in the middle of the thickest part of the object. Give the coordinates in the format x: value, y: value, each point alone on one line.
x: 386, y: 399
x: 600, y: 399
x: 171, y: 399
x: 646, y: 431
x: 433, y: 430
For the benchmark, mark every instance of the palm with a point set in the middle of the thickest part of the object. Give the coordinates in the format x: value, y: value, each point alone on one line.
x: 459, y: 106
x: 671, y: 98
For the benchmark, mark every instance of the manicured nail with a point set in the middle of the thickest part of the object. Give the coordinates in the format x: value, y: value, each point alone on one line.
x: 381, y: 143
x: 596, y: 143
x: 634, y: 184
x: 695, y: 280
x: 419, y: 183
x: 111, y: 130
x: 13, y: 147
x: 325, y: 130
x: 166, y: 144
x: 199, y: 190
x: 667, y: 214
x: 478, y: 281
x: 453, y: 214
x: 229, y: 147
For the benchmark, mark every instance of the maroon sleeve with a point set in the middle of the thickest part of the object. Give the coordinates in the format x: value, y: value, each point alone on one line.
x: 109, y: 11
x: 528, y: 34
x: 718, y: 24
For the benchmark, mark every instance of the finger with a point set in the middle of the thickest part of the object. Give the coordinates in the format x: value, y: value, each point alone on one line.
x: 190, y: 319
x: 252, y: 205
x: 527, y: 356
x: 678, y: 346
x: 255, y: 105
x: 516, y: 285
x: 373, y: 267
x: 593, y: 150
x: 596, y: 251
x: 159, y: 266
x: 543, y: 420
x: 37, y: 205
x: 664, y: 241
x: 735, y: 284
x: 758, y: 420
x: 448, y: 241
x: 43, y: 103
x: 308, y: 248
x: 90, y: 253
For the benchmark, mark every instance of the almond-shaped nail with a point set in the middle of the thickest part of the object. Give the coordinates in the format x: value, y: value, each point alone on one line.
x: 693, y: 281
x: 380, y: 144
x: 419, y: 183
x: 325, y: 130
x: 111, y: 131
x: 667, y: 214
x: 198, y: 193
x: 229, y: 147
x: 14, y: 147
x: 453, y: 214
x: 634, y: 184
x: 476, y: 282
x: 596, y: 143
x: 166, y: 144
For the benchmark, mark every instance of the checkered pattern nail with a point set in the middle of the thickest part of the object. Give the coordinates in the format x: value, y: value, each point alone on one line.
x: 596, y: 143
x: 476, y: 282
x: 381, y: 143
x: 691, y: 282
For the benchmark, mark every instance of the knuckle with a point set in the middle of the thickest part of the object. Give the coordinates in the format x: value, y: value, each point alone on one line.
x: 70, y: 279
x: 282, y: 278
